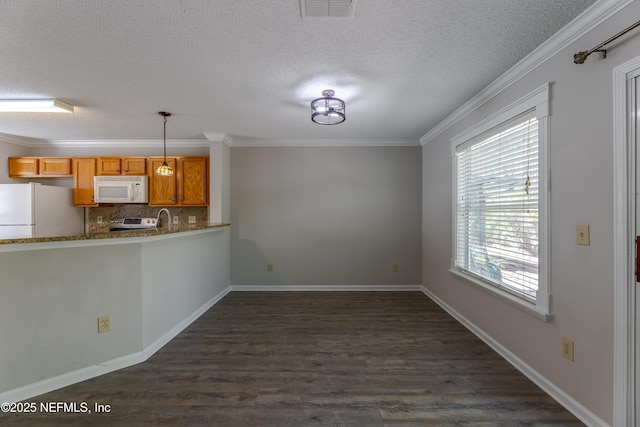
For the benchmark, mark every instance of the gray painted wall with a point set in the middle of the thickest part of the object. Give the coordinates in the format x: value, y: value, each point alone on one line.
x: 325, y: 215
x: 581, y: 153
x: 48, y: 314
x: 9, y: 150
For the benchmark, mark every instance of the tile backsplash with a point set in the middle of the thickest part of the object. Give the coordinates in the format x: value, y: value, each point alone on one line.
x: 142, y: 210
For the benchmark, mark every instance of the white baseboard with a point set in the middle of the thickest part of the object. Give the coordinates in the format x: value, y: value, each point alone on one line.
x: 572, y: 405
x: 35, y: 389
x: 327, y: 288
x: 171, y: 334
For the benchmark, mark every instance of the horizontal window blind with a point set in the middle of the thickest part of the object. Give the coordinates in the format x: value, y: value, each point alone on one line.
x: 497, y: 207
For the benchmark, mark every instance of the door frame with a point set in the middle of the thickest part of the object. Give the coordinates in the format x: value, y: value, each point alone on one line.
x: 624, y: 189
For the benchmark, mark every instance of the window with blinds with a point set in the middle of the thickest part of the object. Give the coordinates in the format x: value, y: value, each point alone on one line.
x: 497, y: 207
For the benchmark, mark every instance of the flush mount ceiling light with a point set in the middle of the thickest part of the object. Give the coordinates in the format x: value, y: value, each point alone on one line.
x: 164, y: 169
x: 327, y: 110
x: 50, y: 105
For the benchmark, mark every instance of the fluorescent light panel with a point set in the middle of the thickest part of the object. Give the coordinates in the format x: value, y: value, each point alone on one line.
x: 51, y: 105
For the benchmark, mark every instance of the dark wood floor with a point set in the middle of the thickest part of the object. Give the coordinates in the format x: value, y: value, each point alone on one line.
x: 314, y: 359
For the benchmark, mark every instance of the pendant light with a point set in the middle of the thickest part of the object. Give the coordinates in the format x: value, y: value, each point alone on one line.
x: 164, y: 169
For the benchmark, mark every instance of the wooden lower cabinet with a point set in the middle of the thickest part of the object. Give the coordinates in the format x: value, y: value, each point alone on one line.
x: 84, y: 169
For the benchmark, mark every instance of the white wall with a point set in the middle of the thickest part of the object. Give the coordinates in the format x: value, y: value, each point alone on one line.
x: 178, y: 278
x: 582, y: 182
x: 50, y: 300
x: 325, y: 215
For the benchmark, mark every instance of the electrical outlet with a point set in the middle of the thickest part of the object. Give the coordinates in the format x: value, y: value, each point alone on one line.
x: 567, y: 348
x: 176, y: 220
x: 269, y: 268
x: 104, y: 324
x: 192, y: 219
x: 582, y: 234
x: 396, y: 267
x: 99, y: 219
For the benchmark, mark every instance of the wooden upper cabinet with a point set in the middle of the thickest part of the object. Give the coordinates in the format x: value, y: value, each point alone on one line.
x: 162, y: 189
x: 122, y: 166
x: 193, y: 180
x: 23, y: 167
x: 55, y: 166
x: 189, y: 185
x: 40, y: 167
x: 134, y: 165
x: 108, y: 166
x: 84, y: 169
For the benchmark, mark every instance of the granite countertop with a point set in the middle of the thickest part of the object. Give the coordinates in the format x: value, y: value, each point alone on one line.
x: 113, y: 234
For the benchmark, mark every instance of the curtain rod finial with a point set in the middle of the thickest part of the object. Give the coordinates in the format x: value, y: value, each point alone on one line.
x: 580, y: 57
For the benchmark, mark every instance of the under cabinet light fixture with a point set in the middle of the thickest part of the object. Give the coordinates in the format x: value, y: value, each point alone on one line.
x: 51, y: 105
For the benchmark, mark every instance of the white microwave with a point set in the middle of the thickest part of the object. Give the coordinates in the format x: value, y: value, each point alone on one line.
x: 120, y: 189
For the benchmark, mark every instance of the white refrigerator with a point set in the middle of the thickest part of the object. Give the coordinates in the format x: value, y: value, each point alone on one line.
x: 36, y: 210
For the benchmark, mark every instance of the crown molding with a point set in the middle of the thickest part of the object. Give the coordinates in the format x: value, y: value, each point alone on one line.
x: 17, y: 140
x: 215, y: 136
x: 119, y: 143
x: 268, y: 142
x: 585, y: 22
x: 209, y: 138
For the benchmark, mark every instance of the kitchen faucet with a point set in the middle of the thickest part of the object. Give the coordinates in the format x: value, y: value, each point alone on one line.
x: 168, y: 218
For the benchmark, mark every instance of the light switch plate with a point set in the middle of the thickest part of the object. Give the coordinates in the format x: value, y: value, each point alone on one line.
x: 192, y: 219
x: 582, y: 234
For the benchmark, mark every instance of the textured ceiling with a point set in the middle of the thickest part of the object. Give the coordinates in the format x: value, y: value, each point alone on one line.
x: 250, y: 68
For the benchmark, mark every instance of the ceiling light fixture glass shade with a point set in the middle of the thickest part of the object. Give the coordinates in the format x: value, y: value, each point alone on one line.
x: 50, y: 105
x: 327, y: 110
x: 164, y: 169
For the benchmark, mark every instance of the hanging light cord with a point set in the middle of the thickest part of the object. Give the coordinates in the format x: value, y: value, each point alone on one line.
x: 165, y: 138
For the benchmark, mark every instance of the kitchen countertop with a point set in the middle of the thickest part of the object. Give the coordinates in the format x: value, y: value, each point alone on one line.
x: 113, y: 234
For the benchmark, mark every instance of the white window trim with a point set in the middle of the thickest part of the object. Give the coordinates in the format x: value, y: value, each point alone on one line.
x: 538, y: 100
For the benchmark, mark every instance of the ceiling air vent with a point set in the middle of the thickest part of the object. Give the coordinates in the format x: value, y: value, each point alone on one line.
x: 327, y: 8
